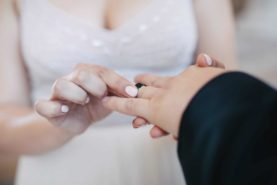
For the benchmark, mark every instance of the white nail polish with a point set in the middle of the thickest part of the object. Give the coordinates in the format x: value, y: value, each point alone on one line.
x: 87, y: 100
x: 131, y: 91
x: 64, y: 108
x: 208, y: 59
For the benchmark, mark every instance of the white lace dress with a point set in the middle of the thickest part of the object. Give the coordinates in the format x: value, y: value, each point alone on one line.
x: 161, y: 40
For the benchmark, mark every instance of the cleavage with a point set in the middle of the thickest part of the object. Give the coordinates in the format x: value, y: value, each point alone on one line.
x: 104, y: 14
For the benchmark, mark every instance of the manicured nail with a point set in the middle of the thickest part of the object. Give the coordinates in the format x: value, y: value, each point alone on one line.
x: 64, y: 108
x: 208, y: 60
x: 87, y: 100
x: 131, y: 91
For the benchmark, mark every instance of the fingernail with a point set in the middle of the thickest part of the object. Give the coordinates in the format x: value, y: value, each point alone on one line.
x: 131, y: 91
x: 208, y: 60
x: 87, y: 100
x: 64, y: 108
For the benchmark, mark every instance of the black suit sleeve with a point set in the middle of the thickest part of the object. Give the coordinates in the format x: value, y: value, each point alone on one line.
x: 228, y: 133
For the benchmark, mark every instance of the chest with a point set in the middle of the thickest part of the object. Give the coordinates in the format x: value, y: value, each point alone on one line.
x: 161, y: 37
x: 107, y: 14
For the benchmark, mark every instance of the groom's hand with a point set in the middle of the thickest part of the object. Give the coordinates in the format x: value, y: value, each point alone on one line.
x: 203, y: 60
x: 162, y: 101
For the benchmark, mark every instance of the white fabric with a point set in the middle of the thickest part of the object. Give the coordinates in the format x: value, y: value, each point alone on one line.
x: 161, y: 39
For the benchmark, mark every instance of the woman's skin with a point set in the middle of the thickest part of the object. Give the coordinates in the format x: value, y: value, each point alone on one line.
x: 22, y: 131
x: 75, y: 101
x: 160, y: 93
x: 202, y: 61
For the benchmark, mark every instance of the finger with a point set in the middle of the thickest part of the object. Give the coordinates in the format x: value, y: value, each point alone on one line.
x: 129, y: 106
x: 139, y: 122
x: 51, y: 109
x: 68, y: 91
x: 175, y: 138
x: 157, y: 132
x: 116, y: 83
x: 147, y: 92
x: 152, y: 80
x: 90, y: 82
x: 204, y: 60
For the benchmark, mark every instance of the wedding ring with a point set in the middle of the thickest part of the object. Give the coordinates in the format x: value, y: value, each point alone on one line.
x: 139, y: 85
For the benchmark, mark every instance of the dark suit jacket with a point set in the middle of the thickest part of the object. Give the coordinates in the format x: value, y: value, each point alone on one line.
x: 228, y: 134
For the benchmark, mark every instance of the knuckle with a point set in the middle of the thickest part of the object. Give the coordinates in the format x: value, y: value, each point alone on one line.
x: 80, y: 97
x: 58, y: 85
x: 80, y: 75
x: 102, y: 71
x: 101, y: 90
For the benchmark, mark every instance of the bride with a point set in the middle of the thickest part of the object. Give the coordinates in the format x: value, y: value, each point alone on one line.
x: 70, y: 54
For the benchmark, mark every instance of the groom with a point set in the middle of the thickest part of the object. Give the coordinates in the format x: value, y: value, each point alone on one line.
x: 226, y: 123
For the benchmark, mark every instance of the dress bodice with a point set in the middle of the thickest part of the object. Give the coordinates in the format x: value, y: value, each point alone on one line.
x: 160, y: 39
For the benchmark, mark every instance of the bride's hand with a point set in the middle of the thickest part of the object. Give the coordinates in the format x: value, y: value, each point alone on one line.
x: 75, y: 101
x: 163, y: 100
x: 203, y: 61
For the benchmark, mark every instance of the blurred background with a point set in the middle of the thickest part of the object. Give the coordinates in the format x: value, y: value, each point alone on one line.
x: 257, y: 53
x: 257, y: 38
